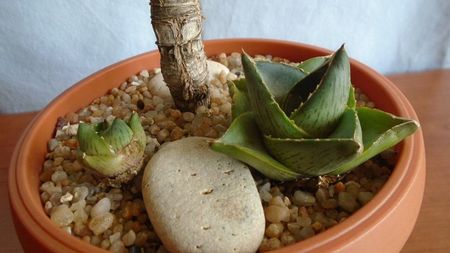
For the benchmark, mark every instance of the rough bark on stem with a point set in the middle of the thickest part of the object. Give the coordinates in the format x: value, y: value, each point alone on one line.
x: 178, y: 26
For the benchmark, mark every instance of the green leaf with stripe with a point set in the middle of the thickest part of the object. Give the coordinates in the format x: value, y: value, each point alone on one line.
x: 380, y: 131
x: 269, y: 116
x: 243, y: 141
x: 320, y: 113
x: 315, y: 157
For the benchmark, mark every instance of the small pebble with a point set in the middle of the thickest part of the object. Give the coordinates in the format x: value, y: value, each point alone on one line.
x: 105, y: 244
x: 101, y: 223
x: 347, y: 202
x: 276, y: 214
x: 61, y: 215
x: 80, y: 215
x: 80, y: 229
x: 118, y: 247
x: 59, y: 176
x: 307, y: 232
x: 201, y: 110
x: 235, y: 59
x: 364, y: 197
x: 52, y: 144
x: 144, y: 73
x: 114, y: 237
x: 129, y: 238
x: 274, y: 230
x: 117, y: 228
x: 329, y: 203
x: 162, y: 135
x: 270, y: 244
x: 317, y: 226
x: 277, y: 201
x: 132, y: 78
x: 66, y: 197
x: 96, y: 240
x: 101, y: 207
x: 48, y: 207
x: 287, y: 239
x: 126, y: 98
x: 265, y: 196
x: 352, y: 188
x: 188, y: 116
x: 176, y: 134
x: 293, y: 212
x: 226, y: 108
x: 67, y: 229
x: 71, y: 130
x: 80, y: 193
x: 152, y: 144
x: 133, y: 84
x: 304, y: 221
x: 322, y: 194
x: 302, y: 198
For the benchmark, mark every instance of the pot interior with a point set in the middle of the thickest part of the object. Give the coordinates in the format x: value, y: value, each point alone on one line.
x: 34, y: 146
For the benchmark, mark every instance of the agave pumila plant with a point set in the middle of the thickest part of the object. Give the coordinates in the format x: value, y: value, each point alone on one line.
x: 114, y: 151
x: 302, y: 121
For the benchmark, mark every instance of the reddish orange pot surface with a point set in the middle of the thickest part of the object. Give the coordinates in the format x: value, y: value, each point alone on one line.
x: 383, y: 225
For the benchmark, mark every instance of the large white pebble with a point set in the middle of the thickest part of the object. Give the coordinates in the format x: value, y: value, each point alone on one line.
x: 159, y: 88
x: 215, y: 68
x: 199, y: 200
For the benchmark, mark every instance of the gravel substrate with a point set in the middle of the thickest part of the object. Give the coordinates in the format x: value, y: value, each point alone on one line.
x: 115, y: 219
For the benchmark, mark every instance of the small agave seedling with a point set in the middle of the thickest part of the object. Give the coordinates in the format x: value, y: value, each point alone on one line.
x: 115, y: 151
x: 302, y: 121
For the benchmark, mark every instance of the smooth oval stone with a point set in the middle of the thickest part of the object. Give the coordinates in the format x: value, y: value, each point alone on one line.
x: 202, y: 201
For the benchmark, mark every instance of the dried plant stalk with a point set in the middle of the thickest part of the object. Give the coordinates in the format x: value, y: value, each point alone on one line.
x: 178, y: 26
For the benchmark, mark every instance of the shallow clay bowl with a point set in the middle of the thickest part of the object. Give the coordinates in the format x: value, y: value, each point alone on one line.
x: 383, y: 225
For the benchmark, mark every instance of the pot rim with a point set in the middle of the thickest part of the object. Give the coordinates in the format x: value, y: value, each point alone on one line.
x: 402, y: 178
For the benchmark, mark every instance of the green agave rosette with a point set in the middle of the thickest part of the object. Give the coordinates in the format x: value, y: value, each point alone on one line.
x: 114, y: 151
x: 302, y: 121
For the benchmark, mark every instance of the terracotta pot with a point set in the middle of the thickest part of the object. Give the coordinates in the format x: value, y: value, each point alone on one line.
x: 383, y: 225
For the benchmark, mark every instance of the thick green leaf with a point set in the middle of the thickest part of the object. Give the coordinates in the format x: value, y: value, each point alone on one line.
x: 351, y: 103
x: 279, y: 77
x: 238, y: 93
x: 349, y: 127
x: 105, y: 165
x: 312, y: 64
x: 320, y: 114
x: 118, y: 135
x: 268, y: 114
x: 242, y: 141
x: 138, y: 130
x: 91, y: 143
x: 314, y: 157
x: 380, y: 131
x: 302, y: 91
